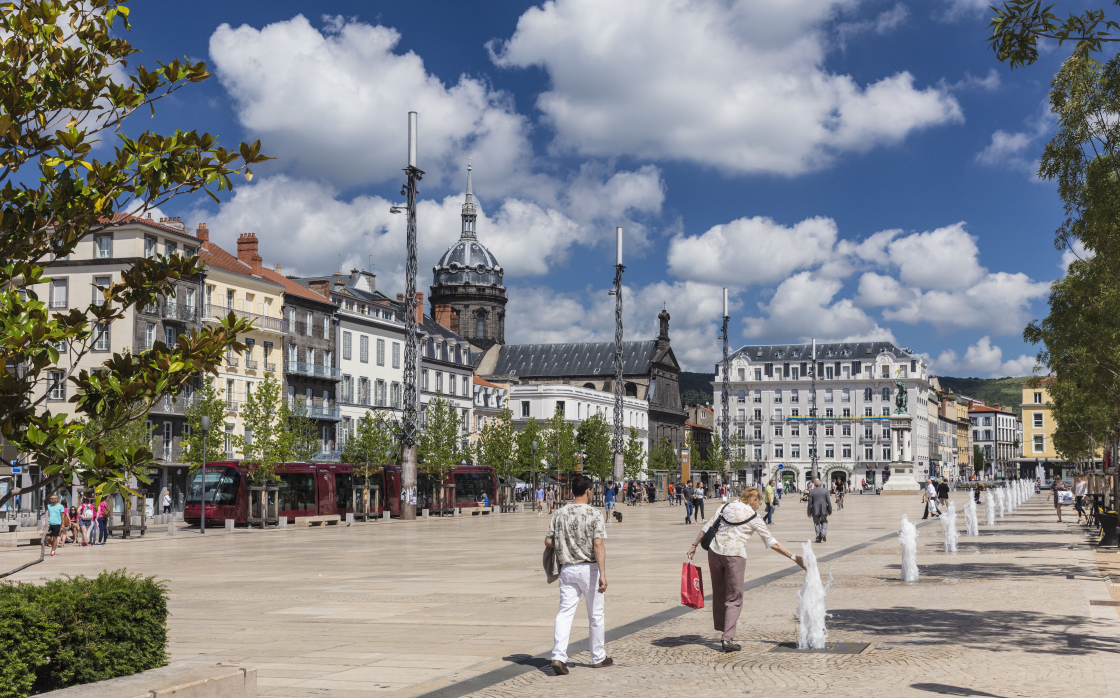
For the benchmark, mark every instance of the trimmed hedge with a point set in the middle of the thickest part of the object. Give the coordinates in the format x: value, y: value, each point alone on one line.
x: 78, y: 630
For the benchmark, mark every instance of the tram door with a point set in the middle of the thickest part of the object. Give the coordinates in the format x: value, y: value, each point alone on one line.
x: 324, y: 493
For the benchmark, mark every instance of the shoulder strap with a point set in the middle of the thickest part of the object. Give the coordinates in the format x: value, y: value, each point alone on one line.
x: 748, y: 520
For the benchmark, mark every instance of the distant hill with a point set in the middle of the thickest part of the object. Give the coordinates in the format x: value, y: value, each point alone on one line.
x: 696, y: 388
x: 1006, y: 391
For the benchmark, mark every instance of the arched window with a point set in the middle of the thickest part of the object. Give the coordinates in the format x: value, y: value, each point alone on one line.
x: 480, y: 326
x: 589, y: 385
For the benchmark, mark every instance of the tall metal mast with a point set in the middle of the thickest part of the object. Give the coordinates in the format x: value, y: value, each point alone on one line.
x: 725, y: 391
x: 813, y: 409
x: 619, y: 448
x: 410, y: 421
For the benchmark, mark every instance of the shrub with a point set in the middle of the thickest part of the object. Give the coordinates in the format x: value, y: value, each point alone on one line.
x: 77, y: 630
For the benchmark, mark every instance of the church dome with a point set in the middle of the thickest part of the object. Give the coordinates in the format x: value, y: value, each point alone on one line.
x: 468, y: 262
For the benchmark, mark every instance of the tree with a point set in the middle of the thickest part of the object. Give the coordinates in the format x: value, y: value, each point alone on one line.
x: 206, y: 403
x: 1019, y: 24
x: 528, y: 459
x: 439, y: 450
x: 373, y: 446
x: 978, y: 459
x: 594, y: 440
x: 560, y: 443
x: 634, y: 456
x: 263, y: 445
x: 299, y: 432
x: 496, y: 444
x: 715, y: 458
x: 67, y: 78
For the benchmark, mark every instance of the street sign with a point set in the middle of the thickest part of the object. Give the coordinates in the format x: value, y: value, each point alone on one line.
x: 16, y: 470
x: 781, y: 467
x: 686, y: 465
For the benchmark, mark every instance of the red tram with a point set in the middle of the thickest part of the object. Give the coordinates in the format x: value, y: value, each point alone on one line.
x: 318, y: 489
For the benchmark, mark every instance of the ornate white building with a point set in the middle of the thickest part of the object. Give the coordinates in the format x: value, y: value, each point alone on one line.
x: 772, y: 394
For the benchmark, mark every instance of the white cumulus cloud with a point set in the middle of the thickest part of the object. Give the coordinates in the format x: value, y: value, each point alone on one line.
x: 982, y: 358
x: 803, y: 307
x: 736, y: 84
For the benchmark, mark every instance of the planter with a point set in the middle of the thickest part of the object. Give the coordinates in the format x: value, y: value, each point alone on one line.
x: 264, y: 505
x: 365, y: 502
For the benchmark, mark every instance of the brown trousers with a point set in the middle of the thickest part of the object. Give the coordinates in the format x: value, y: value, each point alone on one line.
x: 727, y: 591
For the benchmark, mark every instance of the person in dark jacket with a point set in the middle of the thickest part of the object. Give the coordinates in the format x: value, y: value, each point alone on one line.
x: 820, y: 506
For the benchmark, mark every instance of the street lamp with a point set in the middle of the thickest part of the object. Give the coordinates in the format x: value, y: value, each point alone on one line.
x: 534, y: 469
x: 202, y: 490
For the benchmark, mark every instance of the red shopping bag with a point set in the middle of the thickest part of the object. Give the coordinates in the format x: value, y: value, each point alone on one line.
x: 692, y: 586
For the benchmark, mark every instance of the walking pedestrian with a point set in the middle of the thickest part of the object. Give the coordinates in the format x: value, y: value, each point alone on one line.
x: 578, y: 536
x: 672, y: 494
x: 86, y: 515
x: 539, y: 498
x: 769, y: 501
x: 550, y: 498
x: 737, y: 521
x: 929, y: 500
x: 1080, y: 490
x: 698, y: 501
x: 54, y: 522
x: 1055, y: 488
x: 840, y: 495
x: 102, y: 521
x: 778, y: 488
x: 688, y: 492
x: 166, y: 502
x: 943, y: 493
x: 820, y: 506
x: 609, y: 495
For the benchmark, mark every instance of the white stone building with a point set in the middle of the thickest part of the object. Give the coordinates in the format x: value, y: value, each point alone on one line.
x: 772, y: 394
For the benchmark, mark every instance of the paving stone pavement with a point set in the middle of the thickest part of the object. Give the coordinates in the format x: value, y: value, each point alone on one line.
x: 434, y: 607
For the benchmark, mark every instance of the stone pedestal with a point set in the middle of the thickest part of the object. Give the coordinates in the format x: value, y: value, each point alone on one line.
x: 902, y: 457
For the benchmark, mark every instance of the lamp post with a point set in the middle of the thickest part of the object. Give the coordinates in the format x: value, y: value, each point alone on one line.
x: 725, y: 389
x: 619, y: 470
x: 202, y: 493
x: 534, y: 473
x: 813, y: 409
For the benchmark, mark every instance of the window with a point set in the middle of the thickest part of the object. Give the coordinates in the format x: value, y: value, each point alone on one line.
x: 381, y: 352
x: 439, y: 381
x: 779, y: 451
x: 758, y: 374
x: 149, y: 335
x: 189, y: 251
x: 796, y: 375
x: 741, y: 397
x: 845, y: 395
x: 150, y: 246
x: 829, y: 430
x: 103, y: 246
x: 828, y: 373
x: 561, y: 408
x: 886, y: 373
x: 524, y: 408
x: 1039, y: 443
x: 309, y: 328
x: 171, y: 248
x: 363, y: 349
x: 230, y: 296
x: 101, y: 333
x: 450, y: 383
x: 866, y: 411
x: 777, y: 396
x: 100, y: 283
x: 845, y: 429
x: 59, y: 297
x: 326, y: 326
x: 346, y: 339
x: 423, y: 379
x: 480, y: 326
x: 867, y: 432
x: 846, y: 451
x: 828, y: 395
x: 869, y: 453
x: 886, y: 431
x: 887, y: 453
x: 758, y: 396
x: 867, y: 394
x: 987, y: 421
x: 793, y: 396
x: 396, y: 355
x: 795, y: 451
x: 396, y: 395
x: 886, y: 412
x: 777, y: 430
x: 1037, y: 420
x: 1038, y: 398
x: 742, y: 374
x: 828, y: 413
x: 379, y: 394
x: 758, y: 433
x: 58, y: 386
x: 886, y: 394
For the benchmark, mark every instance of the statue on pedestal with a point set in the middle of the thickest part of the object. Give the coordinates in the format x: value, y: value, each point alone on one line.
x: 900, y: 400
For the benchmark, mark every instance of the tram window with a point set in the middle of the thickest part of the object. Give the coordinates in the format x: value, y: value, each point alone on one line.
x: 469, y: 487
x: 344, y: 490
x: 297, y: 492
x: 221, y: 486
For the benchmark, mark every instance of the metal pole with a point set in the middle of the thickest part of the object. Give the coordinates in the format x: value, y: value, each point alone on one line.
x: 410, y: 417
x: 619, y: 453
x: 202, y: 493
x: 813, y: 409
x: 725, y: 389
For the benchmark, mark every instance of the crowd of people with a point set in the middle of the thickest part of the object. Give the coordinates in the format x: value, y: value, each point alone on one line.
x: 85, y: 524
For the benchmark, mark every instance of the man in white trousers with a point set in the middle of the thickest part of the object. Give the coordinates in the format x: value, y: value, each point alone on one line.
x: 576, y: 534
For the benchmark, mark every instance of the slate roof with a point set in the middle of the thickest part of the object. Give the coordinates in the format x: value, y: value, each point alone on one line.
x: 291, y: 288
x: 826, y: 351
x: 560, y: 360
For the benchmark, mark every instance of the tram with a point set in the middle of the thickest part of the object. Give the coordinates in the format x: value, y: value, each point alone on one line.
x: 319, y: 489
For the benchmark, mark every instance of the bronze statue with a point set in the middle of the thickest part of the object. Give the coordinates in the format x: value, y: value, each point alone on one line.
x: 900, y: 400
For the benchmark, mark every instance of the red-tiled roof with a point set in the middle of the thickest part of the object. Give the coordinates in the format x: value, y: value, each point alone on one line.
x: 488, y: 384
x: 129, y: 218
x: 218, y: 258
x: 292, y: 288
x: 989, y: 408
x: 697, y: 426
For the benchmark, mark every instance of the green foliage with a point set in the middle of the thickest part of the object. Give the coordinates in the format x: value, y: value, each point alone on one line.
x: 634, y: 457
x: 690, y: 382
x: 560, y: 443
x: 594, y: 439
x: 299, y: 432
x: 496, y: 445
x: 68, y: 78
x: 978, y: 461
x: 373, y: 446
x: 77, y: 630
x: 206, y: 403
x: 1019, y: 24
x: 715, y: 458
x: 439, y: 448
x: 1008, y: 392
x: 695, y: 397
x: 527, y: 460
x: 267, y: 444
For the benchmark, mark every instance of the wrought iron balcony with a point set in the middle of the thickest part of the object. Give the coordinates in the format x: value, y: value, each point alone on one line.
x: 305, y: 369
x: 325, y: 412
x: 180, y: 311
x: 250, y: 365
x: 54, y: 305
x: 173, y: 405
x: 269, y: 368
x: 231, y: 361
x: 213, y: 313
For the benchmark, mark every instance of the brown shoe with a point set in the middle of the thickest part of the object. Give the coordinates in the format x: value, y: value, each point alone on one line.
x: 559, y: 668
x: 605, y: 663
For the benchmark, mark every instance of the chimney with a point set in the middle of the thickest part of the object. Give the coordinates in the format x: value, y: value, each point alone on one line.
x: 247, y: 247
x: 321, y: 286
x: 203, y: 234
x: 442, y: 314
x: 277, y: 267
x: 419, y: 307
x: 257, y: 263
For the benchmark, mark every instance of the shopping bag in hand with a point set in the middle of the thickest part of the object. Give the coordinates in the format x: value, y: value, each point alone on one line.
x: 692, y: 586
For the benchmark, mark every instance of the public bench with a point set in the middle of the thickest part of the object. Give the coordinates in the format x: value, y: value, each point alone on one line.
x: 479, y: 511
x: 308, y: 521
x: 14, y: 538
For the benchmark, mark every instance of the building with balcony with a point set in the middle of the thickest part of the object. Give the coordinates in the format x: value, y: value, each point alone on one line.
x: 446, y: 367
x: 76, y: 282
x: 368, y: 347
x: 772, y: 398
x: 242, y: 286
x: 995, y: 431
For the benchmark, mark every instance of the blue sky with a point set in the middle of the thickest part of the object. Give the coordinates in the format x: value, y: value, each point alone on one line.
x: 851, y: 169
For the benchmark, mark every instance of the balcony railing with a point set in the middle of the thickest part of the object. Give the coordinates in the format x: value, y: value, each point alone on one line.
x: 327, y: 456
x: 57, y: 304
x: 180, y: 311
x: 231, y: 406
x: 173, y: 405
x: 269, y: 368
x: 231, y: 361
x: 260, y: 322
x: 250, y: 365
x: 305, y: 369
x: 150, y: 309
x: 326, y: 412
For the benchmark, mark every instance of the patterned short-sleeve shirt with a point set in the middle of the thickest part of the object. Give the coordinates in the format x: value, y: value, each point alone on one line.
x: 573, y: 532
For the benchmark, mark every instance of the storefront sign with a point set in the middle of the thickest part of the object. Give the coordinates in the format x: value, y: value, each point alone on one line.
x: 686, y: 465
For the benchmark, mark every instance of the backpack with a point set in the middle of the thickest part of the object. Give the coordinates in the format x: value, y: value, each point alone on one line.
x: 710, y: 534
x: 87, y: 512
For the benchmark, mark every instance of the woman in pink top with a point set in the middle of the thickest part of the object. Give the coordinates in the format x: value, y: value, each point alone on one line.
x: 102, y: 521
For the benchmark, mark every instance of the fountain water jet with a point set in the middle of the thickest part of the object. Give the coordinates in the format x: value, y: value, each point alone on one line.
x: 811, y: 608
x: 1000, y: 497
x: 949, y: 527
x: 908, y: 539
x: 971, y: 525
x: 989, y: 508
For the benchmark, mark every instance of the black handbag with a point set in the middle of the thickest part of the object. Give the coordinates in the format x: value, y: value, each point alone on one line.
x: 710, y: 534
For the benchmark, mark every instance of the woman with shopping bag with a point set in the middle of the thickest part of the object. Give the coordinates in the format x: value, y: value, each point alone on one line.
x: 725, y: 538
